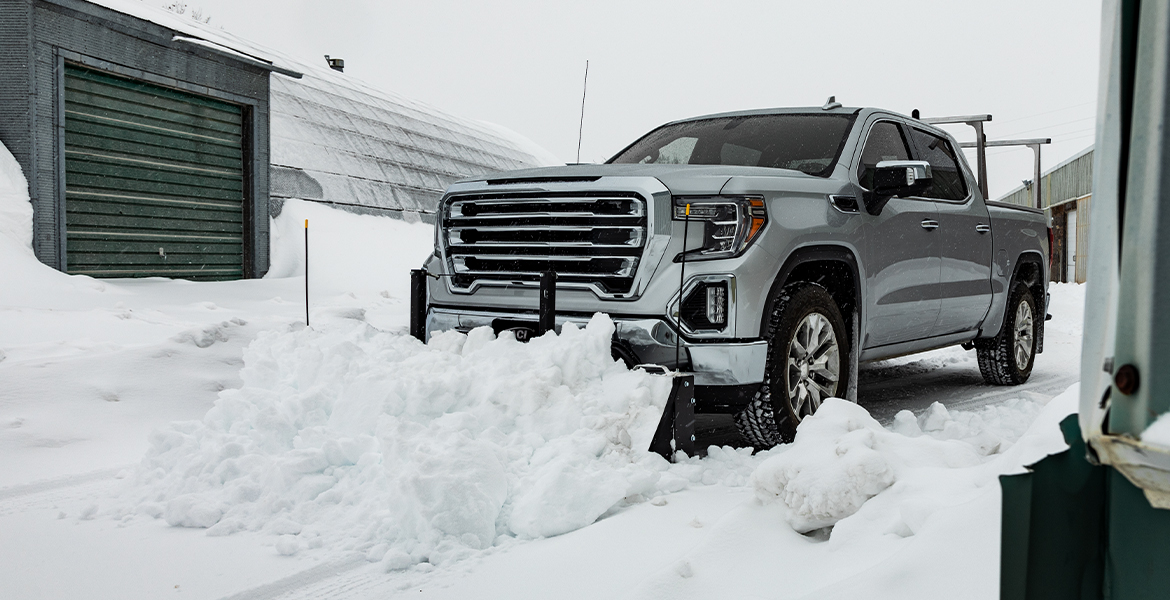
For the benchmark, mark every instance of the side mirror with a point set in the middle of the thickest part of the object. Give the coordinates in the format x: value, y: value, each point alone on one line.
x: 897, y: 178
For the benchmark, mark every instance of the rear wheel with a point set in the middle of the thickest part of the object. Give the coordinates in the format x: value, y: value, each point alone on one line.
x: 1007, y: 358
x: 808, y: 351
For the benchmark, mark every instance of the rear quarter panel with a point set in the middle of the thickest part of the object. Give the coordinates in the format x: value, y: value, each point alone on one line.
x: 1018, y: 231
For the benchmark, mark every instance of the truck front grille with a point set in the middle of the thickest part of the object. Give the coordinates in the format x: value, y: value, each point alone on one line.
x: 591, y: 238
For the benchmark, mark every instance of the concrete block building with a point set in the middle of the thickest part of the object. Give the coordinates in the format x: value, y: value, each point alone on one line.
x: 157, y: 146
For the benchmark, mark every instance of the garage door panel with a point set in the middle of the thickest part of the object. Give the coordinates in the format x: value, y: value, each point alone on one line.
x: 151, y: 211
x: 145, y: 93
x: 148, y: 169
x: 118, y: 222
x: 152, y: 113
x: 82, y: 232
x: 90, y: 246
x: 157, y: 259
x: 150, y: 188
x: 220, y: 146
x: 195, y: 153
x: 194, y: 273
x: 153, y: 199
x: 154, y: 180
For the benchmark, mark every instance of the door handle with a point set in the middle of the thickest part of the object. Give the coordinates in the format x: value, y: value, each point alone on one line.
x: 983, y: 228
x: 929, y: 224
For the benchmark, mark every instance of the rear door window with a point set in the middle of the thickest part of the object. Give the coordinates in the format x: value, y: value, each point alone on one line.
x: 885, y: 142
x: 948, y: 182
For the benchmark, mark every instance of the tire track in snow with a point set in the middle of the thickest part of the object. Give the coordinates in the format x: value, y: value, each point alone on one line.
x: 315, y: 582
x: 48, y: 493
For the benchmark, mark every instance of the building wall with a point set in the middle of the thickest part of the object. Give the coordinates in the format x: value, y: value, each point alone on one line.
x: 31, y: 90
x: 1066, y: 187
x: 1083, y: 239
x: 1071, y: 179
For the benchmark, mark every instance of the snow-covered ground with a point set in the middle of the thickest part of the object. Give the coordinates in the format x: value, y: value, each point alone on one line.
x: 168, y: 437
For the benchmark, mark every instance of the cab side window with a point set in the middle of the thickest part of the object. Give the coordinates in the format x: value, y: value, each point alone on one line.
x: 885, y: 142
x: 944, y: 167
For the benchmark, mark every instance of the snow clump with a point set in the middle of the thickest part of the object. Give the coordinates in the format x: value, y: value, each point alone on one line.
x: 842, y: 457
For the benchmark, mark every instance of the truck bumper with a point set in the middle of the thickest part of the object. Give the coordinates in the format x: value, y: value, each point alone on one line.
x: 636, y: 340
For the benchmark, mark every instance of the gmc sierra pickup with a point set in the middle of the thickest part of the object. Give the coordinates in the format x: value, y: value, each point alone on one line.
x: 776, y: 248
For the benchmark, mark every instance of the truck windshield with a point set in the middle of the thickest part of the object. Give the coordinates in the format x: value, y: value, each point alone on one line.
x: 809, y: 143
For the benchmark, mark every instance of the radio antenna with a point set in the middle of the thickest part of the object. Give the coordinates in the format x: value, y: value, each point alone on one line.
x: 581, y: 127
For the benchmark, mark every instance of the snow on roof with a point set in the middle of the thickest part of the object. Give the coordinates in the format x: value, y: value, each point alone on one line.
x: 376, y: 149
x: 337, y: 139
x: 212, y: 37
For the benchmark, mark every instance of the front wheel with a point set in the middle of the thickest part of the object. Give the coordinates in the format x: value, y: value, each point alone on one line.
x: 808, y: 351
x: 1007, y: 358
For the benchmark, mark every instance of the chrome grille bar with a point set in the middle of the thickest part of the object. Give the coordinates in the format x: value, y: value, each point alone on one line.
x: 594, y: 238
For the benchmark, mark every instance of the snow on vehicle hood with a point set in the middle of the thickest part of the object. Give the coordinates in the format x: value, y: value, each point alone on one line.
x: 679, y: 179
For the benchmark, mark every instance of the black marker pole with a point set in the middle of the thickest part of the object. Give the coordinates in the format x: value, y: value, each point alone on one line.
x: 682, y: 272
x: 306, y: 272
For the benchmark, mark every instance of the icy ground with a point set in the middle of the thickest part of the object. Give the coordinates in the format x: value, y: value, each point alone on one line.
x: 165, y: 437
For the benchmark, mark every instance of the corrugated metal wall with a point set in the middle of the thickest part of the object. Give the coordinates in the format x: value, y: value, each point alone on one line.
x: 1071, y: 180
x: 1083, y: 239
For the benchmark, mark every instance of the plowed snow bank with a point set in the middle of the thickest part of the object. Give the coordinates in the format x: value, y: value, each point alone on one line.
x: 352, y: 438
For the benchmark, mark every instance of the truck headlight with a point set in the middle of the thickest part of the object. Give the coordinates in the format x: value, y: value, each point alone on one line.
x: 730, y: 224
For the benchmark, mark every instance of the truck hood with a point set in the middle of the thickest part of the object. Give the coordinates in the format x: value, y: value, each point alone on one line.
x: 679, y: 179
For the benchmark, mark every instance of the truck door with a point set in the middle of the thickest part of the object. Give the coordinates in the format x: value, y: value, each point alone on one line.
x: 901, y: 251
x: 964, y: 237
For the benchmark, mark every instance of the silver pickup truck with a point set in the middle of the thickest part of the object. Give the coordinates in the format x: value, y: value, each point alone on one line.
x: 771, y: 251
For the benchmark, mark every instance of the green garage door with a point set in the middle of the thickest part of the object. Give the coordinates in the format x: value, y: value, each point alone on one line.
x: 154, y: 181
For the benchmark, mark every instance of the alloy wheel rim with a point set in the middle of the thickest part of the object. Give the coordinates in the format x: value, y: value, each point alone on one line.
x: 813, y: 364
x: 1023, y: 335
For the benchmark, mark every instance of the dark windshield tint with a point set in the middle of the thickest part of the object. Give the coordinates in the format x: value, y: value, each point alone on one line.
x: 803, y: 142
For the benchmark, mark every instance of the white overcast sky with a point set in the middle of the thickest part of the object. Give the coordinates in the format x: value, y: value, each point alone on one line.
x: 1032, y: 64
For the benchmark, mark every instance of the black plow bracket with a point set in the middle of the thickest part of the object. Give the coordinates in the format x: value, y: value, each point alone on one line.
x: 676, y: 428
x: 547, y: 315
x: 418, y: 304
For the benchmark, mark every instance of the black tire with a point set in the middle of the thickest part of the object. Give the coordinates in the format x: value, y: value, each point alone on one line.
x: 773, y: 414
x: 1002, y: 359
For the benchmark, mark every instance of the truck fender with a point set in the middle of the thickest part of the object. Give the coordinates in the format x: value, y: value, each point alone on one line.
x: 826, y: 253
x: 995, y: 315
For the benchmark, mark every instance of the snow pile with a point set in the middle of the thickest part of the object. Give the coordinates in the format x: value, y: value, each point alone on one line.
x: 15, y: 209
x: 347, y: 252
x: 350, y: 438
x: 842, y: 457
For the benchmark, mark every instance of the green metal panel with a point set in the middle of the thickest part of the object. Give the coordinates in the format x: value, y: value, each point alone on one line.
x: 1053, y: 541
x: 154, y: 180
